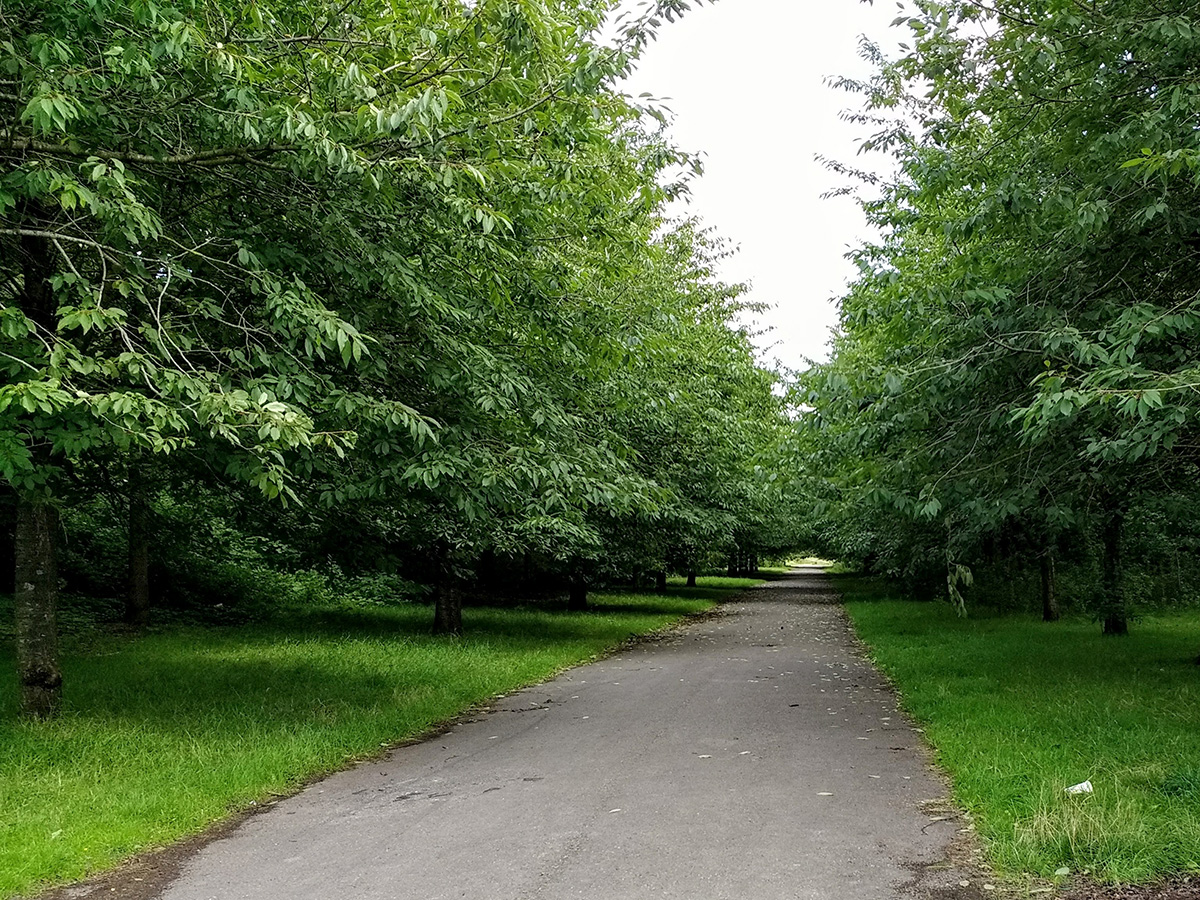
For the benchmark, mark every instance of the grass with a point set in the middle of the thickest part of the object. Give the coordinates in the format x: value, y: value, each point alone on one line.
x: 1017, y: 710
x: 167, y: 733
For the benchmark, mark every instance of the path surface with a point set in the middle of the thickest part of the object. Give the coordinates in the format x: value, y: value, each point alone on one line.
x: 750, y: 756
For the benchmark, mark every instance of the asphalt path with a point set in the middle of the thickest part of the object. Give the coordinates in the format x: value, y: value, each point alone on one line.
x: 752, y: 755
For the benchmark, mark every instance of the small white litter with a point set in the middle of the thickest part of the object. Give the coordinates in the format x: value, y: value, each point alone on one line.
x: 1084, y: 787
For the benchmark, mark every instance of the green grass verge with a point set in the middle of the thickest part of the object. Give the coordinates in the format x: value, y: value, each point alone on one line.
x: 167, y: 733
x: 1017, y: 710
x: 706, y: 583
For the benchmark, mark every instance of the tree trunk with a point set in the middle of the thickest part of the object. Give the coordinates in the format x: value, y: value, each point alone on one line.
x: 1115, y: 621
x: 1116, y: 624
x: 577, y: 597
x: 447, y: 609
x: 753, y: 563
x: 137, y: 602
x: 1049, y: 600
x: 36, y: 601
x: 660, y: 582
x: 36, y: 535
x: 731, y: 571
x: 691, y: 578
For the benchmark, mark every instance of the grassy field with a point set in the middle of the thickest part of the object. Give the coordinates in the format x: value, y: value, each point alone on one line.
x: 1018, y: 710
x: 167, y: 733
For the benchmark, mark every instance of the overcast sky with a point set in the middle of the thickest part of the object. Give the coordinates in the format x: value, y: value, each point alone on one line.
x: 746, y: 81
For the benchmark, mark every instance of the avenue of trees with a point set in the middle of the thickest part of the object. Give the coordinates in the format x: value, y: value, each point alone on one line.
x: 384, y: 288
x: 1014, y: 393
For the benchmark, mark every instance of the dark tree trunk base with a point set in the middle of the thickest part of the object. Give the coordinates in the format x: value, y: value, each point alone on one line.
x: 1049, y: 600
x: 1116, y: 625
x: 137, y: 603
x: 447, y: 611
x: 36, y: 602
x: 577, y: 597
x: 1115, y: 621
x: 660, y: 582
x: 691, y: 578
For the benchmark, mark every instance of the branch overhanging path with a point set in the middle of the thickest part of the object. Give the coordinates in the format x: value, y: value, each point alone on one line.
x: 752, y: 755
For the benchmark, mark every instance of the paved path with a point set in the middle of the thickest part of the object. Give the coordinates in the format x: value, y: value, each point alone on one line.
x: 750, y: 756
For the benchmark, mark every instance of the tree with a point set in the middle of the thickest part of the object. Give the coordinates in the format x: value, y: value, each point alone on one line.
x: 376, y: 258
x: 196, y: 201
x: 1016, y: 352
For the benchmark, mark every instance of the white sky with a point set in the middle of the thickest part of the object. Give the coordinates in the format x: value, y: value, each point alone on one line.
x: 745, y: 79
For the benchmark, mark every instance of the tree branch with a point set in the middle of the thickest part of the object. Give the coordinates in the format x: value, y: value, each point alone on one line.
x: 199, y: 157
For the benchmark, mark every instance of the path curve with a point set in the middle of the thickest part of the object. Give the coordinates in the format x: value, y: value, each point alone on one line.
x: 754, y: 755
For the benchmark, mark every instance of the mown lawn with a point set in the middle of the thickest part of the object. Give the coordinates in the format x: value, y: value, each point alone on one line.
x: 1018, y: 710
x: 167, y: 733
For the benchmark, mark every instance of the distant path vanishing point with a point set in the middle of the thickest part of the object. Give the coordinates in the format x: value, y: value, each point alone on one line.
x: 753, y: 755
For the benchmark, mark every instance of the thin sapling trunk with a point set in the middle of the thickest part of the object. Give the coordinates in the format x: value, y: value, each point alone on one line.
x: 1116, y: 621
x: 137, y: 601
x: 1049, y: 598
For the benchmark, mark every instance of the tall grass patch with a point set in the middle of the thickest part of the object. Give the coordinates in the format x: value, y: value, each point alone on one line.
x: 167, y: 733
x: 1018, y: 710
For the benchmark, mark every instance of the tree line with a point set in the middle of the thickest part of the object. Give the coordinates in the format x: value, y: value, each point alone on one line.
x: 1013, y: 390
x: 386, y: 286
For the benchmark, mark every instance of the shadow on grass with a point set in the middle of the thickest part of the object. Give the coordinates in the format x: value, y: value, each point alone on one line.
x: 310, y: 660
x: 713, y: 594
x: 863, y: 588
